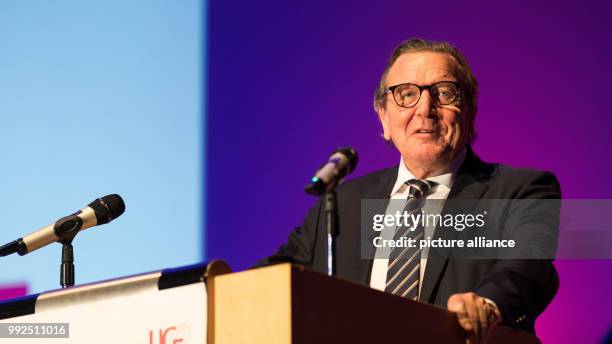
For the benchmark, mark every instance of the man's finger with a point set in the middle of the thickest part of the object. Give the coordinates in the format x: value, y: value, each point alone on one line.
x: 472, y: 313
x: 457, y: 305
x: 483, y: 317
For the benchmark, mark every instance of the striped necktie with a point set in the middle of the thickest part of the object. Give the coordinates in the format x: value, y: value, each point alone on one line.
x: 403, y: 271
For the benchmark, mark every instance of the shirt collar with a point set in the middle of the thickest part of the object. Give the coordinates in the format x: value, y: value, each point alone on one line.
x: 446, y: 179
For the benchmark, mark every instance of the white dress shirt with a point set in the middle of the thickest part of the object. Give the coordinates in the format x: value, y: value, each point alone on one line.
x: 444, y: 182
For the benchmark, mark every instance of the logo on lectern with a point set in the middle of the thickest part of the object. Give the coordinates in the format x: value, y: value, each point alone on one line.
x: 170, y: 335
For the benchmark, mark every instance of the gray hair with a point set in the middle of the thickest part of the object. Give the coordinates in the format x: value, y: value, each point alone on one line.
x: 466, y: 79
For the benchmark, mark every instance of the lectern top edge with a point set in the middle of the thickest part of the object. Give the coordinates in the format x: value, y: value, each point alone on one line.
x: 156, y: 280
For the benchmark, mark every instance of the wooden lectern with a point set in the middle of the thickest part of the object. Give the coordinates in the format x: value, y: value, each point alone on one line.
x: 290, y: 304
x: 205, y: 303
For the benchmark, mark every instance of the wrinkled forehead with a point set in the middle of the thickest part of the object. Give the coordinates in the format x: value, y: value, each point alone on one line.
x: 422, y: 68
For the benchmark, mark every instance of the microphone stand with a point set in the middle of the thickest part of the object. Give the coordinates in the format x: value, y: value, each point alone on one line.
x: 331, y: 223
x: 67, y: 267
x: 66, y: 229
x: 342, y: 161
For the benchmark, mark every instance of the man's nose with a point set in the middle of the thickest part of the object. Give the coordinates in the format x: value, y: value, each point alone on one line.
x: 426, y: 107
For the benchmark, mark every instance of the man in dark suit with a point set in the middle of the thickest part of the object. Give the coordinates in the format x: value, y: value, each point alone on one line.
x: 426, y: 102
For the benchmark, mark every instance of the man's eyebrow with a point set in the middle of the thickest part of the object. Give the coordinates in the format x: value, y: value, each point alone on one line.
x: 448, y: 74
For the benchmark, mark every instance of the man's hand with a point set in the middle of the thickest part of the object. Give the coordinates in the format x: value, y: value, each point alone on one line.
x: 475, y: 315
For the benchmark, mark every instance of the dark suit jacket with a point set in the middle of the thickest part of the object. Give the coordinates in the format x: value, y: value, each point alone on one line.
x: 520, y: 288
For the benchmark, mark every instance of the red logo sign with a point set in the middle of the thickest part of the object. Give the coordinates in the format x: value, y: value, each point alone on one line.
x: 170, y: 335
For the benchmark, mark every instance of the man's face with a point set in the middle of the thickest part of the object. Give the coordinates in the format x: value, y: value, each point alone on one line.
x: 428, y: 135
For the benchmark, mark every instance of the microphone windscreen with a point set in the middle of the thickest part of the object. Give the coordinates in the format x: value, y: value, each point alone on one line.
x: 351, y: 155
x: 108, y: 208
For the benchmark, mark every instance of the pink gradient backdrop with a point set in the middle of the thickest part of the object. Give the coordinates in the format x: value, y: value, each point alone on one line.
x: 10, y: 291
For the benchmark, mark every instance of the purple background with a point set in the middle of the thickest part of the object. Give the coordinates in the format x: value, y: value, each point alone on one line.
x: 288, y: 83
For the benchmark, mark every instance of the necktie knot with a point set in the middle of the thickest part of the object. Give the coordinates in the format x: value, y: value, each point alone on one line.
x: 419, y: 188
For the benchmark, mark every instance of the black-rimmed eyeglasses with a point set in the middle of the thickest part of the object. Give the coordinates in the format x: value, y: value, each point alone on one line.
x: 408, y: 95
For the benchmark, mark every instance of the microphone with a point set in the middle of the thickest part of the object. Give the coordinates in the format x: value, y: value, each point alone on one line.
x: 341, y: 162
x: 102, y: 210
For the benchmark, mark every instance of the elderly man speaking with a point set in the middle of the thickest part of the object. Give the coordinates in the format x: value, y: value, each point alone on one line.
x: 427, y: 102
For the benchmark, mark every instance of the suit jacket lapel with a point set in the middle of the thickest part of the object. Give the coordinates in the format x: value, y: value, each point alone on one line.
x: 380, y: 191
x: 468, y: 187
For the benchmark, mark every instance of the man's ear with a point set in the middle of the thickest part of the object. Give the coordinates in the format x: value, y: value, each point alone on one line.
x: 384, y: 121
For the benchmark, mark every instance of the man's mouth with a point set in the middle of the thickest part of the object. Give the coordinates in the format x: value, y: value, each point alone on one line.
x: 426, y: 131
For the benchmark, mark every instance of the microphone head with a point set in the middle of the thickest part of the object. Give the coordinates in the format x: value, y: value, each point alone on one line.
x: 342, y: 161
x: 351, y: 155
x: 107, y: 208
